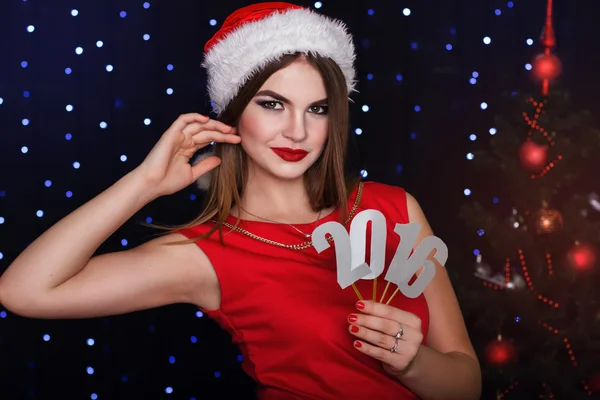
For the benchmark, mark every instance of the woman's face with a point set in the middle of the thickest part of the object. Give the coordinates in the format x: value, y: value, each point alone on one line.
x: 284, y: 127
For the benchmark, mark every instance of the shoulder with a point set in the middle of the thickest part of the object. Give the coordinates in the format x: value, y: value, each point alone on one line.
x: 381, y: 189
x: 415, y: 212
x: 381, y: 193
x: 393, y: 196
x: 199, y: 233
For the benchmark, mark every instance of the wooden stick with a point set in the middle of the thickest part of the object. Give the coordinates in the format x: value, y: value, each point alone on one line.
x: 384, y: 292
x: 393, y: 294
x: 375, y: 289
x: 356, y: 291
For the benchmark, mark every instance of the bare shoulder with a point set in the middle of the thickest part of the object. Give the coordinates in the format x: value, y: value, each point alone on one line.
x: 416, y: 214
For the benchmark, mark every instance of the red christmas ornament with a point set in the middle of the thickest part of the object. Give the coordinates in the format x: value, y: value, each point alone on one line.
x: 581, y: 256
x: 533, y: 157
x: 500, y: 352
x: 546, y: 66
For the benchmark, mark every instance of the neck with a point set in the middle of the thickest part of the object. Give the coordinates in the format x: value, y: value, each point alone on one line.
x: 284, y: 201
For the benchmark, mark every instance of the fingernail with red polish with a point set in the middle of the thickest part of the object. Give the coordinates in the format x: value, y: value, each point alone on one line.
x: 352, y: 318
x: 360, y: 305
x: 354, y: 329
x: 358, y: 345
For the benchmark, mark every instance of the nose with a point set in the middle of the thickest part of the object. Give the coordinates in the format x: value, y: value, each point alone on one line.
x: 295, y: 129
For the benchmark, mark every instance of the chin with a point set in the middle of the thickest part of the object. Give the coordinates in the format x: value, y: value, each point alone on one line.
x: 285, y: 171
x: 290, y: 173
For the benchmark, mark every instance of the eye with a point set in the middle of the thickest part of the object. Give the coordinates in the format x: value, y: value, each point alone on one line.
x: 271, y: 105
x: 318, y: 109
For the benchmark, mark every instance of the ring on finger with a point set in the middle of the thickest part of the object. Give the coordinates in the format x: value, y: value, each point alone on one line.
x: 397, y: 338
x: 400, y: 332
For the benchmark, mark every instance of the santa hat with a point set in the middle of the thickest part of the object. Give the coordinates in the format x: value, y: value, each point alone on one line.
x: 255, y: 35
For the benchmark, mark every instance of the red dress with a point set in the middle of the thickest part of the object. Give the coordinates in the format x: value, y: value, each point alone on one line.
x: 286, y: 311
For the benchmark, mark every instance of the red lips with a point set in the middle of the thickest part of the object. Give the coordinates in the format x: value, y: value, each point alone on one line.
x: 290, y: 155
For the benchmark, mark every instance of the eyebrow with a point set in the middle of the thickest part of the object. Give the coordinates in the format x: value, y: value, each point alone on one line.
x: 282, y: 99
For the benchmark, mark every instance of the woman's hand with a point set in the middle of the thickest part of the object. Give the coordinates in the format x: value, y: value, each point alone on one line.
x: 381, y: 328
x: 167, y: 168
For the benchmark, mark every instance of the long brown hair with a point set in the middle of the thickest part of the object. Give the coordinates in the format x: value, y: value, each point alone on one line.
x: 327, y: 181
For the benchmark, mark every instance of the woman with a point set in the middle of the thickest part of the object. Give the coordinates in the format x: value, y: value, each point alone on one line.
x: 279, y: 78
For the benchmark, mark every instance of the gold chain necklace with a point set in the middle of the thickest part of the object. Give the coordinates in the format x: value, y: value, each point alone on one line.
x: 303, y: 245
x: 306, y: 235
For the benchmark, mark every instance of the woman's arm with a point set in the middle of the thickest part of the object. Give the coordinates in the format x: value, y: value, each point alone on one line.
x: 56, y: 276
x: 447, y: 367
x: 444, y: 376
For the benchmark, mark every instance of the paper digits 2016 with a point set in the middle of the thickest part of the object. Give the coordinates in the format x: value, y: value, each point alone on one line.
x: 350, y: 251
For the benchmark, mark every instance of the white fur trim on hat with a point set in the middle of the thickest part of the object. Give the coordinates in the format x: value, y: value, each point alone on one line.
x: 247, y: 49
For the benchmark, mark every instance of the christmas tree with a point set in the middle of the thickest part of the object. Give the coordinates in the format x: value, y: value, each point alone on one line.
x: 533, y: 303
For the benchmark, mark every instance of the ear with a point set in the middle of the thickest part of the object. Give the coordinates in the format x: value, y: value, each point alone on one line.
x: 204, y: 181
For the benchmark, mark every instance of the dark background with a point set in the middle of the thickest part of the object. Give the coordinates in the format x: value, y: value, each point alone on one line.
x: 422, y: 151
